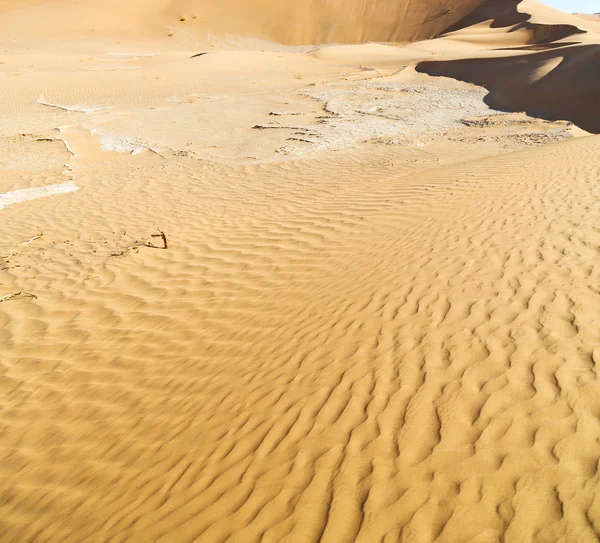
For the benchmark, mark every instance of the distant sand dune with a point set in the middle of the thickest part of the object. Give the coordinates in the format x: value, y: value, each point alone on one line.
x: 293, y: 23
x: 570, y: 90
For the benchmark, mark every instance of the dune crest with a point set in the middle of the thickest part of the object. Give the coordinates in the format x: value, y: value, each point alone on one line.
x: 554, y: 81
x: 568, y: 90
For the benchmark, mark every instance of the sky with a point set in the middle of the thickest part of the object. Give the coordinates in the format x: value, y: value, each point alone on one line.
x: 573, y: 6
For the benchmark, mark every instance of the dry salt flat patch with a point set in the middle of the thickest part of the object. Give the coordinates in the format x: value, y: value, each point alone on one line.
x: 353, y: 114
x: 80, y: 108
x: 123, y: 144
x: 25, y: 195
x: 109, y: 142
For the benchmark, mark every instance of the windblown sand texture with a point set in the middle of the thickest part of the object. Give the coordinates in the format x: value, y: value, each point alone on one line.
x: 375, y: 311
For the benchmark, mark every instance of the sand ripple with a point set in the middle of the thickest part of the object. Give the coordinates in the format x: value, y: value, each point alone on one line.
x: 317, y: 357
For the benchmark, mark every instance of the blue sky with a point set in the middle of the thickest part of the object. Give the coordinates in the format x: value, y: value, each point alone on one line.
x: 572, y: 6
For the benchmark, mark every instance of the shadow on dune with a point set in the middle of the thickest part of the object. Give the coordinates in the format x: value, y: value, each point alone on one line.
x: 539, y: 46
x: 544, y: 33
x: 502, y: 14
x: 505, y: 14
x: 556, y: 85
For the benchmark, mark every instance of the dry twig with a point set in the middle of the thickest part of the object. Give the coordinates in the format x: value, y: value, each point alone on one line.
x: 161, y: 235
x: 31, y: 239
x: 17, y: 295
x: 136, y: 246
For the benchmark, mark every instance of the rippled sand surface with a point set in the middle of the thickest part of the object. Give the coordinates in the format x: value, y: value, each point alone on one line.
x: 295, y: 294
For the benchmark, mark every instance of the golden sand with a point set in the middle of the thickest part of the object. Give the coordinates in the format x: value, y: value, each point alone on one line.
x: 374, y: 314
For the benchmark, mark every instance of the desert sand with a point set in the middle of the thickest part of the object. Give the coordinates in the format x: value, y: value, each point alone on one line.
x: 302, y: 271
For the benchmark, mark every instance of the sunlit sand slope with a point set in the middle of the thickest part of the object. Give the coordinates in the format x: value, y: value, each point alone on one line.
x: 335, y: 350
x: 292, y: 22
x: 301, y: 294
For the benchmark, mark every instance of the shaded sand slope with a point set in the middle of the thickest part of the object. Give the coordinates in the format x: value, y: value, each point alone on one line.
x: 541, y: 23
x: 511, y: 25
x: 556, y: 81
x: 557, y: 84
x: 319, y: 356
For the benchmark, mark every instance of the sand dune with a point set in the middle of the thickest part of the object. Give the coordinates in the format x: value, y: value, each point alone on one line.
x: 314, y: 21
x: 589, y: 16
x: 556, y: 84
x: 332, y: 365
x: 553, y: 82
x: 544, y: 24
x: 374, y: 312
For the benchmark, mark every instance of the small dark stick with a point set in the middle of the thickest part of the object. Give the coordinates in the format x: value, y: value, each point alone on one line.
x: 163, y: 236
